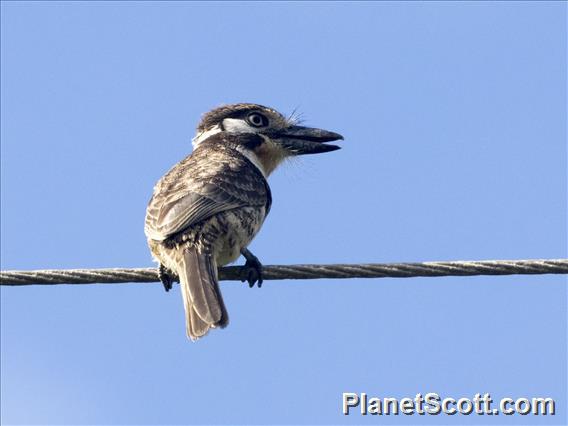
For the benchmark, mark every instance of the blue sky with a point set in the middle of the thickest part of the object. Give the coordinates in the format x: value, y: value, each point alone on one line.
x: 454, y: 117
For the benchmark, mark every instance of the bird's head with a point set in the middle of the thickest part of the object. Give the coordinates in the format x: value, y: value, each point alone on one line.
x: 264, y: 135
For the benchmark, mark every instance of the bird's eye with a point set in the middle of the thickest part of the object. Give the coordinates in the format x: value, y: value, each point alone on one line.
x: 257, y: 120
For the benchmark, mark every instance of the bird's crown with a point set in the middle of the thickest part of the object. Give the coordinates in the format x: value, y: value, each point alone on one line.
x: 254, y: 115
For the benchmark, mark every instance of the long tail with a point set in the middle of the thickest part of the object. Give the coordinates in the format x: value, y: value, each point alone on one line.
x: 204, y: 307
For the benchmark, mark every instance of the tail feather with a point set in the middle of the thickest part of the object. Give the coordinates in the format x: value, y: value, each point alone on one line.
x: 195, y: 326
x: 204, y: 307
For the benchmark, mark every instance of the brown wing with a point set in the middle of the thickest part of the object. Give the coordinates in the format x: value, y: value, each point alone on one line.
x: 213, y: 179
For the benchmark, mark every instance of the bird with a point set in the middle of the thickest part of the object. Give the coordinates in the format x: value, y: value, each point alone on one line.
x: 205, y: 210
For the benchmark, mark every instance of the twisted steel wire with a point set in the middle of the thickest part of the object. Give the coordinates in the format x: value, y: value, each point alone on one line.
x: 298, y: 272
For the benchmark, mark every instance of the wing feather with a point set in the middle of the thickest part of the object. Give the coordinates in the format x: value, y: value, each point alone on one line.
x: 207, y: 182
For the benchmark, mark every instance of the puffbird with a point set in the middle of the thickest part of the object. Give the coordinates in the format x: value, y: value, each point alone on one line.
x: 207, y: 209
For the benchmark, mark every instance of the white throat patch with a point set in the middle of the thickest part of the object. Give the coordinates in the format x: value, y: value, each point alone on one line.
x: 253, y: 159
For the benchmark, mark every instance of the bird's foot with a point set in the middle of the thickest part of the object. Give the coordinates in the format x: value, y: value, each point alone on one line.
x: 252, y: 270
x: 165, y: 277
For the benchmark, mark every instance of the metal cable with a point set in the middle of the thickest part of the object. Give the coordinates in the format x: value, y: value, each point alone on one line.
x: 299, y: 272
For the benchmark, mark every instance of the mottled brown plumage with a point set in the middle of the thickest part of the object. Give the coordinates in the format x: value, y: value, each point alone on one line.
x: 207, y: 209
x: 216, y: 177
x: 211, y: 204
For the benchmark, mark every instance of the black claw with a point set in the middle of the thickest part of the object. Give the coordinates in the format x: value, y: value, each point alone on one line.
x: 252, y: 270
x: 165, y: 277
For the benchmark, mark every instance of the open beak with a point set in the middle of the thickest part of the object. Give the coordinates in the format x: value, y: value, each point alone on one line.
x: 301, y: 140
